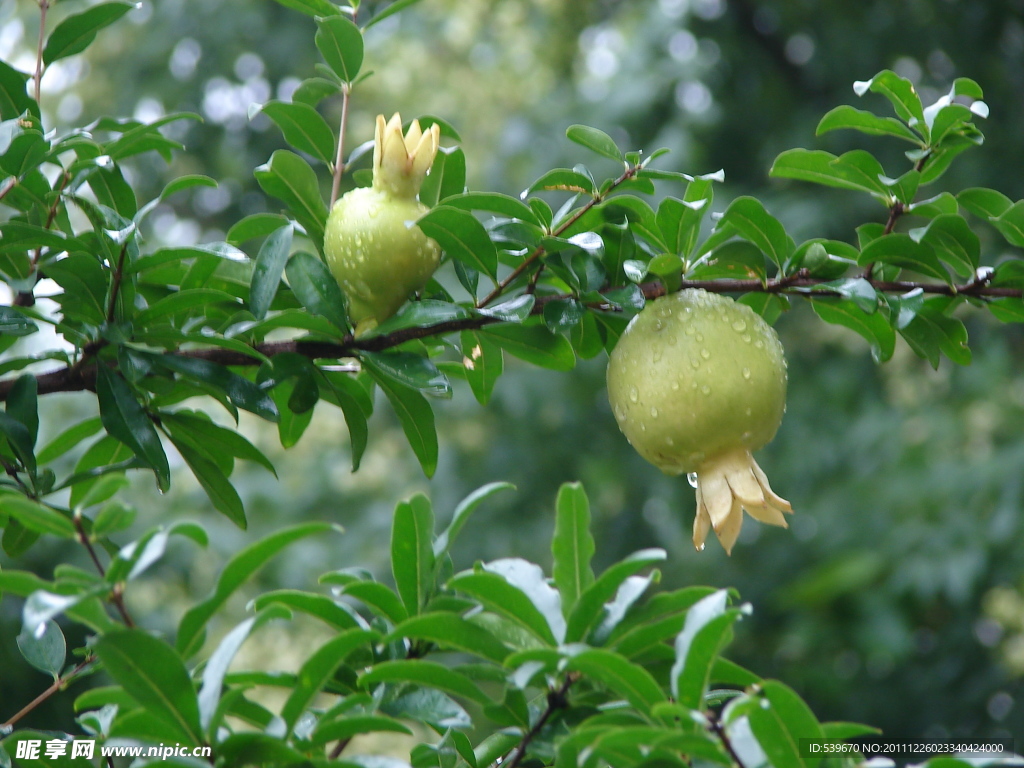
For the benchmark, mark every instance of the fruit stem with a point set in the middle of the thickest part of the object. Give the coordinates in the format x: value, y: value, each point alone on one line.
x: 339, y: 160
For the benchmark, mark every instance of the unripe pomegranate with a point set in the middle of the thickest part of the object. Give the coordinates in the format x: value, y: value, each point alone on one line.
x: 697, y: 382
x: 373, y: 247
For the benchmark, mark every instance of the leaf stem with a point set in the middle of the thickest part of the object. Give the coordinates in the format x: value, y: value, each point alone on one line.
x: 339, y: 160
x: 44, y: 6
x: 116, y: 595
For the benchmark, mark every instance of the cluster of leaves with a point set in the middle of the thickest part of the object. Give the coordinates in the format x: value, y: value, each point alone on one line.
x: 499, y: 661
x: 574, y: 670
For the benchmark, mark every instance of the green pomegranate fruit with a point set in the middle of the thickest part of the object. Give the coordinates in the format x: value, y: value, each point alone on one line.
x: 373, y: 247
x: 697, y: 382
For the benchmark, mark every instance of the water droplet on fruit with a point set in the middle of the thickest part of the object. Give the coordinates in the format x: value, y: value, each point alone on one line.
x: 705, y: 354
x: 695, y: 362
x: 372, y: 211
x: 665, y: 312
x: 706, y: 389
x: 672, y: 341
x: 643, y: 427
x: 654, y: 412
x: 634, y: 395
x: 669, y: 442
x: 658, y: 325
x: 700, y: 337
x: 689, y: 330
x: 691, y: 478
x: 739, y: 325
x: 656, y: 354
x: 746, y: 436
x: 675, y: 385
x: 759, y: 344
x: 746, y: 374
x: 746, y: 337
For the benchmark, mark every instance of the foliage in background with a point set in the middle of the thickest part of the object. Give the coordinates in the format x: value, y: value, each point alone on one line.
x: 129, y: 307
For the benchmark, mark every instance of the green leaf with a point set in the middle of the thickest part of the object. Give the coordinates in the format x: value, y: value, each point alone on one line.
x: 793, y: 715
x: 931, y: 332
x: 986, y: 203
x: 14, y: 323
x: 314, y: 285
x: 154, y: 675
x: 412, y: 555
x: 342, y: 730
x: 755, y: 224
x: 465, y: 508
x: 36, y: 517
x: 854, y: 170
x: 453, y: 632
x: 45, y: 650
x: 381, y: 600
x: 182, y: 302
x: 113, y: 518
x: 492, y: 202
x: 238, y: 570
x: 239, y: 390
x: 346, y: 391
x: 254, y: 226
x: 447, y: 176
x: 483, y: 362
x: 707, y: 628
x: 901, y: 94
x: 591, y: 603
x: 415, y: 416
x: 76, y: 32
x: 903, y: 251
x: 312, y: 7
x: 515, y: 310
x: 594, y: 140
x: 260, y: 748
x: 462, y: 237
x: 499, y: 596
x: 302, y: 126
x: 214, y: 481
x: 215, y: 438
x: 428, y: 674
x: 845, y: 116
x: 629, y: 680
x: 14, y: 99
x: 565, y: 180
x: 409, y: 370
x: 126, y: 420
x: 22, y: 406
x: 290, y: 179
x: 318, y: 669
x: 874, y: 327
x: 319, y: 606
x: 1010, y: 224
x: 953, y: 240
x: 266, y: 273
x: 341, y: 44
x: 534, y: 344
x: 395, y: 7
x: 572, y: 545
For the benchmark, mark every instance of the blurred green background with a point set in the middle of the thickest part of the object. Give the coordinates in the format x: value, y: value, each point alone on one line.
x: 897, y: 597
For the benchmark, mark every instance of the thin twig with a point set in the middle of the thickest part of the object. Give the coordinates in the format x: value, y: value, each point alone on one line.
x: 339, y: 161
x: 719, y: 729
x: 57, y: 685
x: 539, y: 251
x: 556, y: 701
x: 115, y: 284
x: 44, y: 6
x: 116, y: 595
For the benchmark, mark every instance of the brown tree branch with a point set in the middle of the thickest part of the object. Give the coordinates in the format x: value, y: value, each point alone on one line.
x: 82, y: 376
